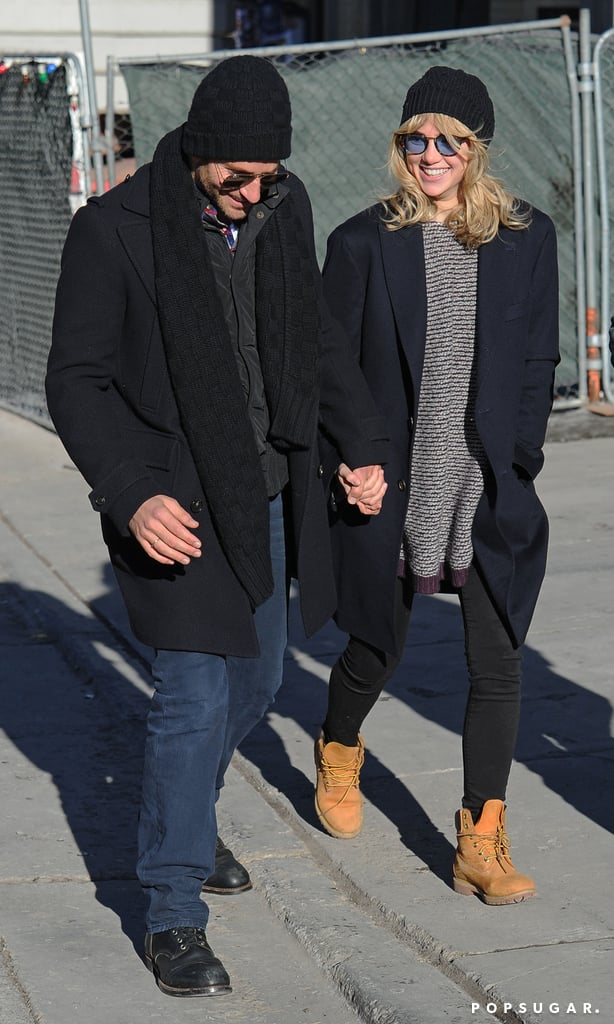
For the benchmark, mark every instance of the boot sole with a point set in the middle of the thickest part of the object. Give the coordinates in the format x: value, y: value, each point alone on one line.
x: 332, y: 831
x: 230, y: 891
x: 209, y: 990
x: 465, y: 889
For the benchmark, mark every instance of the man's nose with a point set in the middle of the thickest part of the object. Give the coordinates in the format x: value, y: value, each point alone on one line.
x: 252, y: 191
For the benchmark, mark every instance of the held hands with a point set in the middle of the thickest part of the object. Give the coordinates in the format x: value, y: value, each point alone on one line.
x: 364, y: 487
x: 163, y: 529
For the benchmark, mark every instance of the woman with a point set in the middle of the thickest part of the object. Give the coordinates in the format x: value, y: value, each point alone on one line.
x: 448, y: 290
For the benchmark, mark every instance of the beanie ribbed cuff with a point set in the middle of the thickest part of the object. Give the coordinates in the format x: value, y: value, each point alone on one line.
x: 266, y: 147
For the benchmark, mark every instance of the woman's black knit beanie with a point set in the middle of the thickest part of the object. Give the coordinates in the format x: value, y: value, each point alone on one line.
x: 240, y: 111
x: 443, y: 90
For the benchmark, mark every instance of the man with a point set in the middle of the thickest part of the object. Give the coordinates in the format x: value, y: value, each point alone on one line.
x: 192, y: 359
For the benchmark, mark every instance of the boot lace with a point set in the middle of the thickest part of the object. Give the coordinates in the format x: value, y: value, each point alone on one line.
x: 493, y: 846
x: 342, y: 774
x: 503, y: 845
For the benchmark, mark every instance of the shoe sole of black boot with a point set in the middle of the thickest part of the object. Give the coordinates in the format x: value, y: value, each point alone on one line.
x: 194, y: 993
x: 230, y: 891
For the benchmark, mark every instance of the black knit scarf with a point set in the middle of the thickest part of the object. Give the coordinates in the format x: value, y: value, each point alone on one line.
x: 202, y: 363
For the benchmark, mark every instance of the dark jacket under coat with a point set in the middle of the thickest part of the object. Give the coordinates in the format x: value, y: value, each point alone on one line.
x: 110, y: 397
x: 374, y: 281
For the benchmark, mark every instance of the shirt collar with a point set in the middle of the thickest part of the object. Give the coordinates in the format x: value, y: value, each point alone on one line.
x: 229, y: 229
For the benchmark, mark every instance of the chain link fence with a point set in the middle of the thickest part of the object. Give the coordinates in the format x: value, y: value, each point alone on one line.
x: 347, y: 102
x: 41, y: 182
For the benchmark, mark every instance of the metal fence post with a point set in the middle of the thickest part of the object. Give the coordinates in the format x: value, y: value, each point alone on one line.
x: 95, y: 140
x: 110, y: 121
x: 576, y: 133
x: 586, y: 87
x: 604, y: 213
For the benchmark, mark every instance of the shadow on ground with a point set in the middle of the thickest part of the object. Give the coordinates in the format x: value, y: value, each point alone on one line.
x: 85, y: 730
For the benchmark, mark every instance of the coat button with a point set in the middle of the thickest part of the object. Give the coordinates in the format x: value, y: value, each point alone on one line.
x: 100, y: 500
x: 401, y: 485
x: 320, y: 470
x: 196, y: 505
x: 259, y: 214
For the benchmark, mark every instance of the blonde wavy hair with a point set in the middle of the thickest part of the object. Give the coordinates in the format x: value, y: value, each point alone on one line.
x: 484, y: 203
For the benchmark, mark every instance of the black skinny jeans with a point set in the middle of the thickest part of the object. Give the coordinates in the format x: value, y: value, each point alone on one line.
x: 493, y: 705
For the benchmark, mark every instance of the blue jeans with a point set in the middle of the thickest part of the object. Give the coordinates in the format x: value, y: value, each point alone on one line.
x: 202, y: 707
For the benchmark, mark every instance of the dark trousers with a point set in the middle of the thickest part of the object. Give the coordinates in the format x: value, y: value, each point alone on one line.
x: 493, y: 704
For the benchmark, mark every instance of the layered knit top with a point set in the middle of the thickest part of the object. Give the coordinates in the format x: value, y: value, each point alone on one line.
x: 447, y: 459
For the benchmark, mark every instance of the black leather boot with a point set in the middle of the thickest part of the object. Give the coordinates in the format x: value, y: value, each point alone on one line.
x: 184, y: 963
x: 229, y: 875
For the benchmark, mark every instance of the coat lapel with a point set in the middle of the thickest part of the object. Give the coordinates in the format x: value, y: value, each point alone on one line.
x: 135, y: 235
x: 497, y: 265
x: 403, y: 261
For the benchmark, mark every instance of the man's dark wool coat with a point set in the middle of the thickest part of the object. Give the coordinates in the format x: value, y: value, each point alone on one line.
x: 374, y: 281
x: 110, y: 397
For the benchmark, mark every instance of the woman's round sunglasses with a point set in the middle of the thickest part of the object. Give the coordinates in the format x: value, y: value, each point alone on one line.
x: 417, y: 143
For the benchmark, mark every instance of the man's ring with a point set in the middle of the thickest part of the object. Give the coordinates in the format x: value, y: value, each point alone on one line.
x: 154, y: 542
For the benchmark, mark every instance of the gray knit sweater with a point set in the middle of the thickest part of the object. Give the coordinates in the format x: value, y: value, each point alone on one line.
x: 447, y: 459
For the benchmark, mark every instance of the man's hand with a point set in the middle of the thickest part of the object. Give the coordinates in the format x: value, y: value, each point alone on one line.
x: 163, y: 529
x: 364, y: 487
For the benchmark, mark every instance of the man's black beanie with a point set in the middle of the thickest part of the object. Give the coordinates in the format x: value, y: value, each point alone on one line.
x: 450, y: 91
x: 240, y: 111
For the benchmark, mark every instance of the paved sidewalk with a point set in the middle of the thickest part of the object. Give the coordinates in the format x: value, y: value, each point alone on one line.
x: 367, y: 930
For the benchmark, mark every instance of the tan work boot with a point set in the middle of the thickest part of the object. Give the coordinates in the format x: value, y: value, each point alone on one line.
x: 482, y: 865
x: 338, y: 799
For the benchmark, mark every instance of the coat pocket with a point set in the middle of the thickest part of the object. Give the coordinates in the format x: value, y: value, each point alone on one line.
x: 156, y: 450
x: 517, y: 310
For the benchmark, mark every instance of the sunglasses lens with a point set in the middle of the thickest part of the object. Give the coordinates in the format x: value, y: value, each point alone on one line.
x: 236, y: 181
x: 415, y: 143
x: 270, y: 180
x: 444, y: 147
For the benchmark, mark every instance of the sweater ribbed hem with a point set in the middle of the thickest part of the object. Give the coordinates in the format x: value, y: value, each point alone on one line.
x: 455, y: 578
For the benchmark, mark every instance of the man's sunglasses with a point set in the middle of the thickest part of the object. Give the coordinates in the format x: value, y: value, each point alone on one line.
x: 236, y: 181
x: 417, y: 143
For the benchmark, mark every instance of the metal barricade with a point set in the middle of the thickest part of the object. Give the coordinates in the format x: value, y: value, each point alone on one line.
x: 346, y: 101
x: 44, y: 177
x: 554, y: 101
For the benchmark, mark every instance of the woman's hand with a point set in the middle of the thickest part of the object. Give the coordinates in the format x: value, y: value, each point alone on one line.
x: 364, y: 487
